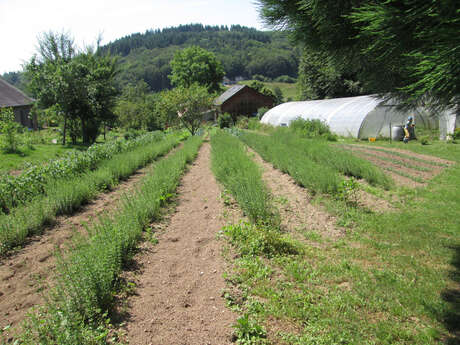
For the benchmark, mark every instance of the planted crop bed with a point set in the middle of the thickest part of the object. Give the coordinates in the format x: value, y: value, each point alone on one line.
x: 16, y: 190
x: 64, y: 196
x: 406, y: 168
x: 87, y: 275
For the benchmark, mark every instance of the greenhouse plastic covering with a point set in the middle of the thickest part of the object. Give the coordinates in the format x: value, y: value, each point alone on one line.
x: 357, y: 117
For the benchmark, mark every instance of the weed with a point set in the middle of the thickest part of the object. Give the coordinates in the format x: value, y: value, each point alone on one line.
x: 249, y: 332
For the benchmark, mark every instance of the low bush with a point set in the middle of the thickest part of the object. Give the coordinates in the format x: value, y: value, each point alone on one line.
x: 285, y: 79
x: 456, y: 134
x: 310, y: 128
x: 225, y: 120
x: 261, y: 112
x: 242, y: 122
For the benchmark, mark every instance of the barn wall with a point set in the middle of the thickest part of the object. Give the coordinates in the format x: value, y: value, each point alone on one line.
x: 246, y: 102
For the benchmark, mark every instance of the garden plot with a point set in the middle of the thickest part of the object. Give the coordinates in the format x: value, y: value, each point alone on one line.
x: 298, y: 215
x: 405, y: 167
x: 25, y: 273
x: 178, y: 287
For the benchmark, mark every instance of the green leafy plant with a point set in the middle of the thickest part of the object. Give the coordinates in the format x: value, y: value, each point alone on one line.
x: 249, y: 332
x: 225, y: 120
x: 9, y: 128
x: 348, y: 191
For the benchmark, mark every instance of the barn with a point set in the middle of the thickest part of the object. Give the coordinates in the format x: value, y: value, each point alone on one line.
x: 242, y: 100
x: 11, y: 97
x: 359, y: 117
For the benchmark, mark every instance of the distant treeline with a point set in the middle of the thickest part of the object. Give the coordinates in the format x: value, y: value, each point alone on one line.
x: 243, y: 51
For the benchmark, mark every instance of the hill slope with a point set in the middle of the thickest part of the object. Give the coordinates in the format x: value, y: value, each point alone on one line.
x: 243, y: 52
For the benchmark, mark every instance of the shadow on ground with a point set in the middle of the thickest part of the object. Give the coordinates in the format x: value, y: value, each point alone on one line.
x: 452, y: 297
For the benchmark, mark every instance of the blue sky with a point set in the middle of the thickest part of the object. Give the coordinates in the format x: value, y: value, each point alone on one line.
x: 21, y: 21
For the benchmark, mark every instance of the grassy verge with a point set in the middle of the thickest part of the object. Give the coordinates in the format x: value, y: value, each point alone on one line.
x: 292, y: 160
x: 78, y: 305
x: 392, y: 279
x: 38, y: 154
x: 241, y: 176
x: 65, y: 196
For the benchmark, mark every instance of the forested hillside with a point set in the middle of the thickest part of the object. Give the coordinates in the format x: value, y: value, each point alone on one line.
x: 243, y: 52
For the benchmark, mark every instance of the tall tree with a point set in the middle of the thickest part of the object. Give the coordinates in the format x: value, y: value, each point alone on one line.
x: 196, y: 65
x: 81, y: 85
x: 186, y: 106
x: 409, y: 48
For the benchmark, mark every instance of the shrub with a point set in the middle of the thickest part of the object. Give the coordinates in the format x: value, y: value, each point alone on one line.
x: 9, y: 128
x: 285, y: 79
x: 254, y: 124
x: 225, y: 120
x: 456, y: 134
x: 310, y: 128
x: 261, y: 112
x: 242, y: 122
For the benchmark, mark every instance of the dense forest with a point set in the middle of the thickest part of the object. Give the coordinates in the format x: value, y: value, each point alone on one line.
x: 242, y: 51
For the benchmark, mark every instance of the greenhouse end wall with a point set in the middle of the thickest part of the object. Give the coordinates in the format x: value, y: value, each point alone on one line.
x: 357, y: 117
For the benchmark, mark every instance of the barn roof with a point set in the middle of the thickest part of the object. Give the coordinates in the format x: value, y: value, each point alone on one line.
x: 11, y: 96
x: 229, y: 94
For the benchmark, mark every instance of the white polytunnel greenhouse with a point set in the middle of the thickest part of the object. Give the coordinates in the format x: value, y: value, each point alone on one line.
x: 358, y: 117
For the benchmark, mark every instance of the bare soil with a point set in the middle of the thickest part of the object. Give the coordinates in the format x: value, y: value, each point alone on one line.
x: 427, y: 158
x: 25, y: 273
x: 294, y: 204
x: 179, y: 280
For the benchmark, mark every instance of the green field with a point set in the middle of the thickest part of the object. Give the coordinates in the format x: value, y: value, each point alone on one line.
x: 289, y: 90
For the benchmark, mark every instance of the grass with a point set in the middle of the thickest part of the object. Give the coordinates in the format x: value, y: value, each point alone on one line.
x: 84, y: 295
x: 241, y: 176
x: 66, y: 195
x: 392, y: 279
x: 39, y: 153
x: 289, y: 90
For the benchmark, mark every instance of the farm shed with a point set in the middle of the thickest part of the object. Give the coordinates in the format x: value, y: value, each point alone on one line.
x: 21, y: 104
x: 242, y: 100
x: 358, y: 117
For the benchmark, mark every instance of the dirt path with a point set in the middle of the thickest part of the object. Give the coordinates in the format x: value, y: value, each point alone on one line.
x: 179, y: 283
x: 24, y: 273
x: 294, y: 203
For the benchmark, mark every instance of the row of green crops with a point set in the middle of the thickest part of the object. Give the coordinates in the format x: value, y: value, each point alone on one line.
x: 292, y: 160
x: 240, y: 174
x: 254, y: 242
x: 17, y: 190
x: 88, y: 276
x: 66, y: 195
x: 323, y: 153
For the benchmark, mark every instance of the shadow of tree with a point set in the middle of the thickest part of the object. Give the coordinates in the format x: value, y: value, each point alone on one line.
x: 452, y: 297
